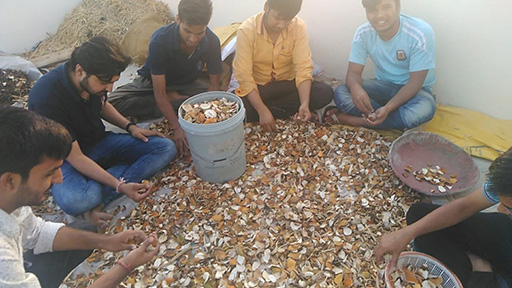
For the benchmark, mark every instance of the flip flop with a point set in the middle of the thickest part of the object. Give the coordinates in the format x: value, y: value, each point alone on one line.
x: 321, y: 112
x: 335, y: 119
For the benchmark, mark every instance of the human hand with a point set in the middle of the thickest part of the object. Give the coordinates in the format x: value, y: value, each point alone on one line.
x: 126, y: 240
x: 142, y: 254
x: 180, y: 140
x: 142, y: 134
x: 378, y: 117
x: 394, y: 243
x: 136, y: 191
x: 303, y: 115
x: 98, y: 218
x: 362, y: 100
x: 267, y: 121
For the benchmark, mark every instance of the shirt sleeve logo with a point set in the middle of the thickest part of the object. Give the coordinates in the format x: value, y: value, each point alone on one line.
x: 400, y: 55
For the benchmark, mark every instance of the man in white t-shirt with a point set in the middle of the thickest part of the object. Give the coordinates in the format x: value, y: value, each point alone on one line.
x: 403, y: 50
x: 34, y: 252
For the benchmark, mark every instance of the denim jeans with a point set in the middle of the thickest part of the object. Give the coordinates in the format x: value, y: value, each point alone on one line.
x: 418, y: 110
x: 122, y: 156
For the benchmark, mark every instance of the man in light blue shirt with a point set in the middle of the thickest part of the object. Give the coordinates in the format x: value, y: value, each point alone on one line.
x: 403, y: 50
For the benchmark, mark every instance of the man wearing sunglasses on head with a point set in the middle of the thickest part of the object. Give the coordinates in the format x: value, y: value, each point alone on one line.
x: 101, y: 166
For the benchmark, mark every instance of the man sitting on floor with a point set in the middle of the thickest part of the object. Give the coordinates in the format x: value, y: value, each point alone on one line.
x: 102, y: 166
x: 403, y: 50
x: 457, y: 234
x: 274, y: 68
x: 35, y: 253
x: 177, y: 54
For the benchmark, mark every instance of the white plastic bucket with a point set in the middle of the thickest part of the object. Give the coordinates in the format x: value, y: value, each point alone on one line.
x: 218, y: 149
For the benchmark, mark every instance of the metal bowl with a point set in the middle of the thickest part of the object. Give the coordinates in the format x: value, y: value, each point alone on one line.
x: 419, y: 149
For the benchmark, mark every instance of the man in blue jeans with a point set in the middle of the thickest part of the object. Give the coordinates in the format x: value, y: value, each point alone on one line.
x: 403, y: 50
x: 102, y: 165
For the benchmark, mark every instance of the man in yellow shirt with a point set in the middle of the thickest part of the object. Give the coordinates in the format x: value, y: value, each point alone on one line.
x: 274, y: 68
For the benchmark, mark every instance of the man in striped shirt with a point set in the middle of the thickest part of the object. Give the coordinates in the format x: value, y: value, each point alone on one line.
x: 403, y: 51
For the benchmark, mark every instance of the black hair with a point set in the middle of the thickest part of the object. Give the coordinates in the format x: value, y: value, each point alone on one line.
x: 26, y: 137
x: 500, y: 174
x: 370, y: 4
x: 287, y: 9
x: 100, y: 57
x: 195, y: 12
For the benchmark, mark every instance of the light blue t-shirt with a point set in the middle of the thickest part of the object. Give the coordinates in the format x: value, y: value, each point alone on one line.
x: 491, y: 196
x: 411, y: 49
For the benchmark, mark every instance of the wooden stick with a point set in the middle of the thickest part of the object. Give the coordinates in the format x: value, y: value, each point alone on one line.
x: 53, y: 58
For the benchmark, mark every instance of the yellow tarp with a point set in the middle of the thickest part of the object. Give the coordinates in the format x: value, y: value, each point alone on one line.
x: 226, y: 33
x: 476, y: 133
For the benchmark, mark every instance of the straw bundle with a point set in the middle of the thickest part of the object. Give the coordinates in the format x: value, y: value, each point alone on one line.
x: 109, y: 18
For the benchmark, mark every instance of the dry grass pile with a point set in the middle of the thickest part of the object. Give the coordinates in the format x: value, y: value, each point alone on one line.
x: 109, y: 18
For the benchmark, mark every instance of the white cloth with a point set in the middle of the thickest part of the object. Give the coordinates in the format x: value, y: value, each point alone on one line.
x: 22, y: 230
x: 228, y: 49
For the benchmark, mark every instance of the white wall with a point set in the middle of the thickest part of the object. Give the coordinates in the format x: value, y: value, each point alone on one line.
x: 23, y: 23
x: 474, y: 39
x: 474, y: 43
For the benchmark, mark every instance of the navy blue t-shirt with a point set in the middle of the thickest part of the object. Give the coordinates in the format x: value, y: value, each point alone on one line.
x: 55, y: 97
x: 166, y: 57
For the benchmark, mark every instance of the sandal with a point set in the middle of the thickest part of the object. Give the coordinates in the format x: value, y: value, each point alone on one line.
x: 321, y: 112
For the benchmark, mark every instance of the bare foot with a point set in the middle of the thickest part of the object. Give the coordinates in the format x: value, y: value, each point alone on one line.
x: 334, y: 116
x: 98, y: 218
x: 331, y: 116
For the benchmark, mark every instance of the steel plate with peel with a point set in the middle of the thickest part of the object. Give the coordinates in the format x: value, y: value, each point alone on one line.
x: 420, y: 149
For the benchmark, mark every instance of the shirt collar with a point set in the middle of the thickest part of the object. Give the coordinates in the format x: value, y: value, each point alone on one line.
x: 10, y: 227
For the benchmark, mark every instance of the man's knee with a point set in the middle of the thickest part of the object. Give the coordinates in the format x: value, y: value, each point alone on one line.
x: 164, y: 147
x: 75, y: 201
x: 420, y: 110
x: 321, y: 94
x: 418, y: 211
x: 343, y: 98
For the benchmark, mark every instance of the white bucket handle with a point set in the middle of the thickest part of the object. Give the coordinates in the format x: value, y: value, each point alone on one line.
x: 218, y: 160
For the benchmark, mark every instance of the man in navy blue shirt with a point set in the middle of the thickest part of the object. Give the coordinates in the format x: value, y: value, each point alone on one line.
x: 177, y: 54
x: 102, y: 165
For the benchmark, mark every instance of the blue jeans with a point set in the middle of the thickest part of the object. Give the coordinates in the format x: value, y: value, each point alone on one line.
x: 416, y: 111
x: 122, y: 156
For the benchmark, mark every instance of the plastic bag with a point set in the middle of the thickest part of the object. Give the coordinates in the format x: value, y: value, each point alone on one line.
x: 20, y: 64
